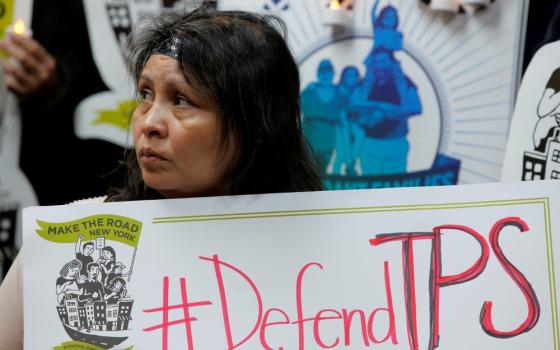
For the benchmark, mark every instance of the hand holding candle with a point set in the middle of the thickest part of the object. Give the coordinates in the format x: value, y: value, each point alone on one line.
x: 19, y: 28
x: 30, y: 69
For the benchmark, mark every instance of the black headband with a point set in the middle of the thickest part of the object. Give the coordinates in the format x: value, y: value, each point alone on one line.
x: 170, y: 47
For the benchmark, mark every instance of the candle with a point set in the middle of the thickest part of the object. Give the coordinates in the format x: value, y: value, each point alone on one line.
x: 445, y: 5
x: 336, y: 15
x: 19, y: 28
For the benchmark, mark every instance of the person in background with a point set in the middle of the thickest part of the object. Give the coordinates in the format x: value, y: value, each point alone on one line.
x: 50, y: 74
x: 218, y: 114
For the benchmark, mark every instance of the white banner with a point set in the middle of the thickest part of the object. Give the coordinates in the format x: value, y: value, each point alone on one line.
x: 466, y: 267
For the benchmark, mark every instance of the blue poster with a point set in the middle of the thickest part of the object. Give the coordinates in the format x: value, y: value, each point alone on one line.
x: 401, y: 95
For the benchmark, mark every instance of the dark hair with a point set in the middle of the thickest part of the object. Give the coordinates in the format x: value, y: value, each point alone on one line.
x: 242, y: 64
x: 88, y: 243
x: 115, y: 280
x: 91, y: 265
x: 122, y: 292
x: 72, y: 263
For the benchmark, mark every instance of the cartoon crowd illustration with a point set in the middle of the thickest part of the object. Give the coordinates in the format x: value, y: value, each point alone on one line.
x: 88, y: 279
x: 544, y: 163
x: 92, y: 294
x: 359, y: 125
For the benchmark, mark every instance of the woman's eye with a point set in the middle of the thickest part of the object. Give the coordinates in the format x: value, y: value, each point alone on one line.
x: 182, y: 101
x: 145, y: 94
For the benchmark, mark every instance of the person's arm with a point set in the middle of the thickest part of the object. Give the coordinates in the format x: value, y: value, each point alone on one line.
x: 111, y: 267
x: 85, y: 295
x: 79, y: 244
x: 11, y: 307
x: 550, y: 100
x: 542, y: 128
x: 109, y: 296
x: 100, y: 291
x: 411, y: 104
x: 62, y: 287
x: 102, y: 266
x: 374, y: 9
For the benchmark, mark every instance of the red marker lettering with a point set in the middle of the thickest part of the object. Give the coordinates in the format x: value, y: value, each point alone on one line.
x: 300, y: 320
x: 439, y: 281
x: 223, y: 300
x: 318, y: 318
x: 266, y: 324
x: 392, y: 331
x: 407, y: 240
x: 533, y: 308
x: 187, y: 319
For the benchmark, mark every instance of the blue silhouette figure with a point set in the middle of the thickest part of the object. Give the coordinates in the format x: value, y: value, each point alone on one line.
x: 321, y: 104
x: 365, y: 119
x: 385, y: 26
x: 385, y: 32
x: 381, y: 106
x: 349, y: 81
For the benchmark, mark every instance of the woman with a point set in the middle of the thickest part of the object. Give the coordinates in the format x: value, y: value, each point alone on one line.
x: 385, y: 28
x: 234, y: 113
x: 115, y: 291
x: 67, y: 283
x: 218, y: 115
x: 106, y: 262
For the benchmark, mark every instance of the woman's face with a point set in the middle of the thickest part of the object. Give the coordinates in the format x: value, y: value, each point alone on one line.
x: 73, y: 272
x: 177, y: 134
x: 106, y: 254
x: 118, y: 286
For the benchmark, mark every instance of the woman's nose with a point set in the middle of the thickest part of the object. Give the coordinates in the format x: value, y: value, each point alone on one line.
x: 154, y: 123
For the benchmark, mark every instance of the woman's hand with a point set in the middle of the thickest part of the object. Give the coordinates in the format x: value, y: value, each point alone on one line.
x: 30, y: 69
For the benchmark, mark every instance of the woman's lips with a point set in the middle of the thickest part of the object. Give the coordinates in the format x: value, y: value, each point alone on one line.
x: 149, y: 156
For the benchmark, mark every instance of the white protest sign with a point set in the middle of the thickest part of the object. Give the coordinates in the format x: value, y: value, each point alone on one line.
x: 466, y: 267
x: 533, y: 150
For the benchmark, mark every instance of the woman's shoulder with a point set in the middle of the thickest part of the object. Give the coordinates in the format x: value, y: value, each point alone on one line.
x: 99, y: 199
